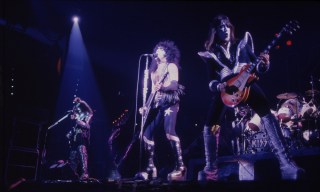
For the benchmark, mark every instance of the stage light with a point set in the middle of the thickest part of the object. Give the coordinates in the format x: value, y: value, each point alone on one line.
x: 289, y: 43
x: 75, y: 19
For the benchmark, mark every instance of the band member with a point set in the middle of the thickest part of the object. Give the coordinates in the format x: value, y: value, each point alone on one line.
x: 164, y: 109
x: 79, y: 138
x: 225, y: 56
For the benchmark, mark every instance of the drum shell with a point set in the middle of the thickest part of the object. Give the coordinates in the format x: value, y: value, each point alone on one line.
x: 307, y: 110
x: 288, y: 109
x: 255, y: 123
x: 284, y: 114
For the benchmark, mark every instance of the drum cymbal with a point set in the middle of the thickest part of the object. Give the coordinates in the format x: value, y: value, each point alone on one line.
x: 312, y: 92
x: 287, y: 96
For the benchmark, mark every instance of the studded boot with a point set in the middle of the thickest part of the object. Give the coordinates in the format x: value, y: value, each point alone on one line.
x: 83, y: 162
x: 150, y: 171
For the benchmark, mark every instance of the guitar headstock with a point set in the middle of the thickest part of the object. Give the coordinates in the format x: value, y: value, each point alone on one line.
x: 122, y: 119
x: 291, y: 27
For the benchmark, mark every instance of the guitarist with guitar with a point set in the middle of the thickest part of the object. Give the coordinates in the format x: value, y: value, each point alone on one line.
x: 232, y: 67
x: 162, y: 108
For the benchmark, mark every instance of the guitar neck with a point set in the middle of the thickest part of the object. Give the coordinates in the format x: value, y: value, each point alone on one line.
x: 266, y: 50
x: 150, y: 99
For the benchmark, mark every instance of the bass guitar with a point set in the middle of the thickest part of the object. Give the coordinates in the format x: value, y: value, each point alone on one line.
x: 238, y: 87
x: 149, y: 101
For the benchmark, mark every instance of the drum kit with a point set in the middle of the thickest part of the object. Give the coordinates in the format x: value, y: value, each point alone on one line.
x: 250, y: 136
x: 299, y: 121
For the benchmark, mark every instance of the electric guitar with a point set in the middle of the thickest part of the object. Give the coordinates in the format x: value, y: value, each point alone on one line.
x: 117, y: 124
x: 147, y: 106
x: 238, y: 87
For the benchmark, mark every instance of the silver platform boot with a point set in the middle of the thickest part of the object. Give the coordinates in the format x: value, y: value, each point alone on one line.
x: 289, y: 170
x: 211, y: 141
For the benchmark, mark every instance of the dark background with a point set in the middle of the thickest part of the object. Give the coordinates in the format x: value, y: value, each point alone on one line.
x: 34, y: 36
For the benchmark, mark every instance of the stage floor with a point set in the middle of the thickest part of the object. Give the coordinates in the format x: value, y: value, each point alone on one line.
x: 143, y: 186
x: 234, y: 175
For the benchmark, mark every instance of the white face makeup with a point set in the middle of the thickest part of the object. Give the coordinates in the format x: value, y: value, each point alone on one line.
x: 160, y: 53
x: 223, y: 32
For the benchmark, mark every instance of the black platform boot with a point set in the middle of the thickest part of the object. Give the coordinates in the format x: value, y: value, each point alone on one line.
x: 289, y: 170
x: 84, y: 162
x: 151, y: 171
x: 180, y: 171
x: 211, y: 141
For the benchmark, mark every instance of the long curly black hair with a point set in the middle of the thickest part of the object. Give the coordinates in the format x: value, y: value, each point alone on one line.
x: 172, y: 54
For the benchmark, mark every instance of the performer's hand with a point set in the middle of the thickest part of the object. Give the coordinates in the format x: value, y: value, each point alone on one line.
x: 158, y: 97
x: 68, y: 135
x: 142, y: 110
x: 265, y: 58
x: 157, y: 86
x: 222, y: 86
x: 74, y: 116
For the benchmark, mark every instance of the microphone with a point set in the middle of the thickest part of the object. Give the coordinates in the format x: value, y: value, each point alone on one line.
x: 69, y: 111
x: 149, y: 55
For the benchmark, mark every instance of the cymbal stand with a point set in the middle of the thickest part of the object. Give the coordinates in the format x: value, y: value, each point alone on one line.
x: 242, y: 123
x: 278, y: 104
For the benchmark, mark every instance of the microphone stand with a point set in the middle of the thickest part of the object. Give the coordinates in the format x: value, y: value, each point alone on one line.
x: 313, y: 101
x: 57, y: 122
x: 144, y: 96
x: 43, y: 154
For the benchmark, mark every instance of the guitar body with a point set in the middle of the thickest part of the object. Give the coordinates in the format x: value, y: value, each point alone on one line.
x: 237, y: 89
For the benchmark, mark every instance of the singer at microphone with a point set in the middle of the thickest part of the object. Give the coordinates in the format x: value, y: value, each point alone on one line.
x: 79, y: 138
